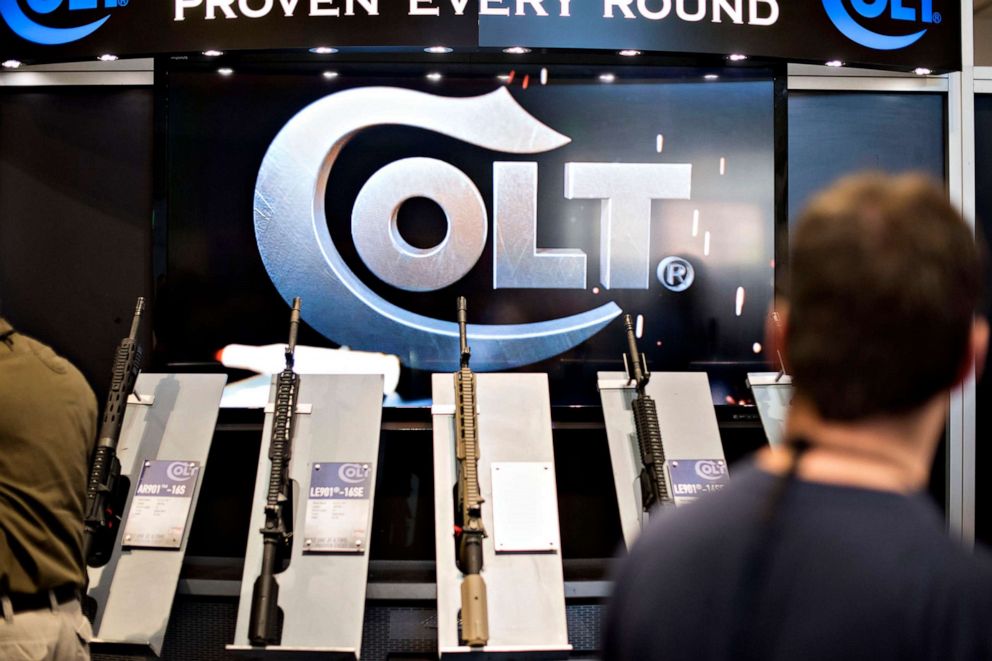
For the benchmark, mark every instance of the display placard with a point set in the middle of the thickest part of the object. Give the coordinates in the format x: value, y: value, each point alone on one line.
x: 691, y: 478
x: 160, y: 508
x: 338, y: 507
x: 525, y: 510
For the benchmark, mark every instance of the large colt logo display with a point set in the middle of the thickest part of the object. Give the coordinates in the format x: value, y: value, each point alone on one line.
x: 303, y: 257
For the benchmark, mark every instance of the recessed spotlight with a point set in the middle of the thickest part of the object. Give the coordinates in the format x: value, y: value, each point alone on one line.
x: 630, y: 52
x: 330, y: 75
x: 323, y: 50
x: 439, y: 50
x: 544, y: 75
x: 737, y: 57
x: 504, y: 77
x: 516, y: 50
x: 225, y: 71
x: 107, y: 57
x: 434, y: 76
x: 922, y: 71
x: 711, y: 76
x: 11, y: 64
x: 607, y: 77
x: 835, y: 63
x: 213, y: 53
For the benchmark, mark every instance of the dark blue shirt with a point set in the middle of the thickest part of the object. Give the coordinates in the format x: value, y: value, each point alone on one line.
x: 839, y: 573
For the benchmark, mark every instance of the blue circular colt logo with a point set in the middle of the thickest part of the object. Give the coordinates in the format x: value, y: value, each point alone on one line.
x: 27, y: 28
x: 872, y: 9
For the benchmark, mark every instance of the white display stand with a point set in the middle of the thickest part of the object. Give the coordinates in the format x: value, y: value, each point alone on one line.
x: 173, y: 420
x: 689, y: 432
x: 321, y: 594
x: 522, y: 564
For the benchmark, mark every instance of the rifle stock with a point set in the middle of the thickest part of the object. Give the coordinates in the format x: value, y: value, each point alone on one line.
x: 104, y: 500
x: 474, y: 610
x: 654, y: 485
x: 263, y: 624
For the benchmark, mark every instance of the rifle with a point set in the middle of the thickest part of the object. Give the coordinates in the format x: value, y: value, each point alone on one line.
x: 263, y: 625
x: 654, y: 486
x: 469, y: 529
x: 104, y: 497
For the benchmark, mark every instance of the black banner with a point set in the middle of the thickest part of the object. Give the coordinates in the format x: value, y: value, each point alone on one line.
x: 890, y: 33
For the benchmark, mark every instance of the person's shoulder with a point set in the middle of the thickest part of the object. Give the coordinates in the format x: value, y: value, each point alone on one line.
x: 59, y: 368
x: 46, y: 355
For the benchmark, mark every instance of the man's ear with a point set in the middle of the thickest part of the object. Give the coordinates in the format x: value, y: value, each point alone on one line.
x: 776, y: 332
x: 979, y: 347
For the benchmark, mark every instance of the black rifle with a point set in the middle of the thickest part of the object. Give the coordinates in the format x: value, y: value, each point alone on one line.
x: 263, y: 625
x: 104, y: 496
x: 475, y: 612
x: 654, y: 486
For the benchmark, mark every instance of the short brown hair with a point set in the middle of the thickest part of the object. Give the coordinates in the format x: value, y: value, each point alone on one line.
x: 884, y: 285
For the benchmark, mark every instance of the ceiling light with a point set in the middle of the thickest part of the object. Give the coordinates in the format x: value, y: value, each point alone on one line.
x: 107, y: 58
x: 835, y: 63
x: 440, y: 50
x: 225, y: 71
x: 505, y: 77
x: 737, y: 57
x: 323, y: 50
x: 330, y: 75
x: 11, y: 64
x: 922, y: 71
x: 434, y: 76
x: 630, y: 52
x: 711, y: 76
x: 213, y: 53
x: 516, y: 50
x: 607, y: 77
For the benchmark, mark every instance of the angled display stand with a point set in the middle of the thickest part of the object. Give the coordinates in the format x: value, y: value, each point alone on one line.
x: 322, y: 591
x: 522, y: 565
x: 772, y: 395
x: 168, y: 427
x: 689, y: 433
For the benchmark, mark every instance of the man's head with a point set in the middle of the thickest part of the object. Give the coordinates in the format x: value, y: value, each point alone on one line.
x: 885, y: 281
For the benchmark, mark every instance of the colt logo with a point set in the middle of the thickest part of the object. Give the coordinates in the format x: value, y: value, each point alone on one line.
x: 353, y: 473
x: 180, y: 471
x: 871, y: 9
x: 302, y: 260
x: 711, y: 470
x: 27, y: 28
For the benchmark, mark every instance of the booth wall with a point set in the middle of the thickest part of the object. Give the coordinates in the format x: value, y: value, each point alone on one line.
x: 75, y: 218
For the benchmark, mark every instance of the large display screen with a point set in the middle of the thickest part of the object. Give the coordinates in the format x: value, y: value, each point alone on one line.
x: 555, y: 200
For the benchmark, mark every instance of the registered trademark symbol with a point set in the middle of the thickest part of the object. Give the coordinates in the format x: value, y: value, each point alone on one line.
x: 937, y: 18
x: 122, y: 3
x: 676, y: 274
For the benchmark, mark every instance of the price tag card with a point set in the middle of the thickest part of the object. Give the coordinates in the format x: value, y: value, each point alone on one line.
x: 337, y: 513
x: 691, y: 478
x: 161, y: 504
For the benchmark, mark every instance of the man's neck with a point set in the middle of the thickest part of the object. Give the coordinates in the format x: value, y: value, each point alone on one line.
x: 886, y: 453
